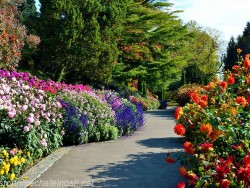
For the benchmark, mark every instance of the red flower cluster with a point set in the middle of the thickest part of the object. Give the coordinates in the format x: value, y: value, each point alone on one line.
x: 179, y: 129
x: 244, y: 171
x: 223, y: 85
x: 202, y: 101
x: 189, y: 147
x: 241, y: 100
x: 231, y: 80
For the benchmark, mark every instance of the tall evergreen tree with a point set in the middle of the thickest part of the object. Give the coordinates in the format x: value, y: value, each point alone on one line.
x: 243, y: 41
x: 28, y: 14
x: 230, y: 58
x: 148, y: 44
x: 78, y: 38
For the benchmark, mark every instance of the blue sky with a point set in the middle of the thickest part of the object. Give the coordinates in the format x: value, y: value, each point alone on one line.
x: 227, y: 16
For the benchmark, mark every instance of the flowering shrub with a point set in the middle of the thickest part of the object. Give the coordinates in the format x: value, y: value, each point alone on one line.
x: 217, y: 131
x: 87, y: 116
x: 149, y: 103
x: 29, y: 117
x: 128, y: 117
x: 12, y: 162
x: 183, y: 94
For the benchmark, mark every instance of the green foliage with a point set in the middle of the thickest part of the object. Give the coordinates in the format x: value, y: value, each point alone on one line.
x: 79, y: 38
x: 148, y: 43
x: 201, y: 55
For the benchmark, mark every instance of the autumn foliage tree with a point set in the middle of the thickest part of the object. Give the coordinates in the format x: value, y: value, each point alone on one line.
x: 12, y: 35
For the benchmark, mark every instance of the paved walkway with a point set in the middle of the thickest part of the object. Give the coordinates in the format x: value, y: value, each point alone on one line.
x: 130, y: 162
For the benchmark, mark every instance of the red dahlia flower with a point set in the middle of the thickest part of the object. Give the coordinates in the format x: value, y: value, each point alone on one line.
x: 225, y: 183
x: 195, y: 97
x: 223, y: 85
x: 189, y: 147
x: 241, y: 100
x: 231, y: 80
x: 179, y: 129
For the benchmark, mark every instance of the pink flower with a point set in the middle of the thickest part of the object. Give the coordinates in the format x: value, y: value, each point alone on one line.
x: 30, y: 119
x: 11, y: 114
x: 37, y: 122
x: 26, y: 129
x: 43, y: 142
x: 24, y: 107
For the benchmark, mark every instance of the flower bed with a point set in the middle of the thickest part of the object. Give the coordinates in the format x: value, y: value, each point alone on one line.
x: 37, y: 117
x: 216, y: 129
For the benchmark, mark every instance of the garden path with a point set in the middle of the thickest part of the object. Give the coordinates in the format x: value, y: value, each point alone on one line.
x: 130, y: 162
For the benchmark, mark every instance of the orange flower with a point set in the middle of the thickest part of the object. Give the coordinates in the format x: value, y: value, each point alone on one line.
x: 210, y: 86
x: 223, y: 105
x: 189, y: 147
x: 235, y: 68
x: 206, y: 129
x: 246, y: 63
x: 183, y: 171
x: 233, y: 111
x: 195, y: 97
x: 202, y: 103
x: 212, y: 100
x: 223, y: 85
x: 178, y: 113
x: 248, y: 80
x: 179, y: 129
x: 215, y: 134
x: 241, y: 100
x: 231, y: 80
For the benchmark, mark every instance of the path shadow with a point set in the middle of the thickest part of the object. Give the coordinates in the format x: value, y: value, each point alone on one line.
x: 166, y: 113
x: 142, y: 170
x: 165, y: 143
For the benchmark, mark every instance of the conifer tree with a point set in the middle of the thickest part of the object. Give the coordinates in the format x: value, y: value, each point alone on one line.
x: 148, y: 44
x: 230, y: 58
x: 78, y: 38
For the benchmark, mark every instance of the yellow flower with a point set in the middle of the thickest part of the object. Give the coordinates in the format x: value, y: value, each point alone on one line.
x: 5, y: 152
x: 12, y: 176
x: 15, y: 163
x: 23, y: 160
x: 1, y: 172
x: 20, y: 152
x: 12, y: 160
x: 28, y: 154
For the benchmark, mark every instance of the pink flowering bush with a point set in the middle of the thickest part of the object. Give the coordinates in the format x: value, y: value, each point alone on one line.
x: 30, y: 118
